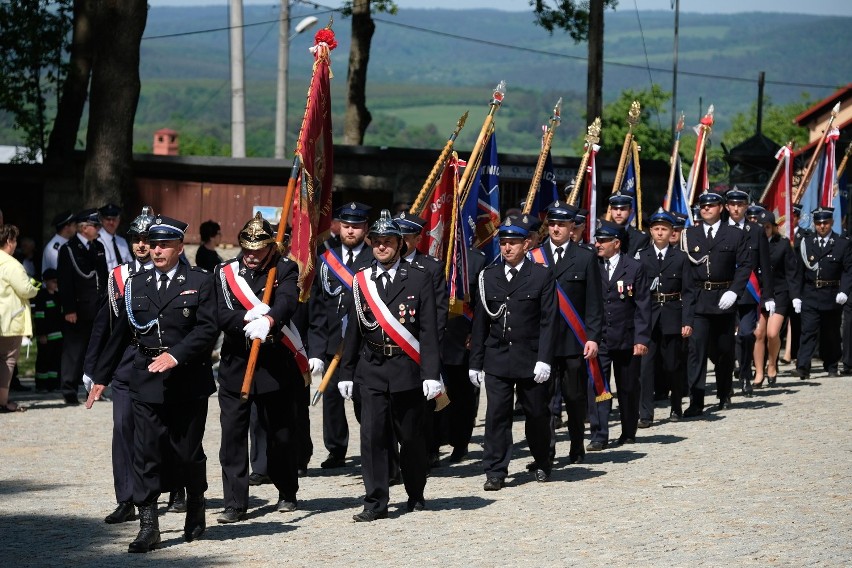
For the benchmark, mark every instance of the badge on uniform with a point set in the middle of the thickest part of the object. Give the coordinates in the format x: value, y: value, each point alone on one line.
x: 695, y: 249
x: 629, y: 289
x: 148, y: 279
x: 181, y: 278
x: 402, y: 313
x: 411, y: 312
x: 620, y: 285
x: 186, y: 312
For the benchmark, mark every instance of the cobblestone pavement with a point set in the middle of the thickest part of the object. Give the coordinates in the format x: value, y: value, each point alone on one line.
x: 765, y: 483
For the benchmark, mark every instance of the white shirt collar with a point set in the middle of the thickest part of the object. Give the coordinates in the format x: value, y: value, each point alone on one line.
x: 739, y: 225
x: 662, y: 250
x: 391, y: 271
x: 507, y: 266
x: 554, y: 246
x: 411, y: 255
x: 613, y: 261
x: 715, y: 226
x: 171, y: 273
x: 83, y: 240
x: 356, y: 250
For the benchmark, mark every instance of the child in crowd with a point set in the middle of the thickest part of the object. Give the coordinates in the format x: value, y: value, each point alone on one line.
x: 47, y: 319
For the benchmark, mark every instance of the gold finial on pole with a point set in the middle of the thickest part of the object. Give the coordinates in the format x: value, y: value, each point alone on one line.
x: 482, y: 139
x: 546, y: 143
x: 440, y: 163
x: 806, y: 178
x: 593, y: 136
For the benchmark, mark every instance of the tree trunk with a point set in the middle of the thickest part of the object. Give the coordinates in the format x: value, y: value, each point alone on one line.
x: 63, y: 136
x: 594, y: 81
x: 357, y: 116
x: 119, y: 25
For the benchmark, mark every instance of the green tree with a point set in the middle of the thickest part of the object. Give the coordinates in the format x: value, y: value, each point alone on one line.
x: 777, y: 125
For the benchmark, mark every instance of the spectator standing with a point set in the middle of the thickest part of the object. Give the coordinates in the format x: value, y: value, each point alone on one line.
x: 47, y: 318
x: 116, y: 247
x: 65, y: 226
x: 211, y: 235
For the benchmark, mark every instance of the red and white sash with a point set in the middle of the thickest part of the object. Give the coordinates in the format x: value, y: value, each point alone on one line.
x: 248, y: 299
x: 120, y: 274
x: 391, y: 326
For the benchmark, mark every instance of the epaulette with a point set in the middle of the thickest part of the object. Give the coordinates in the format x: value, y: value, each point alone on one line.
x: 416, y: 264
x: 747, y: 227
x: 363, y: 268
x: 494, y: 265
x: 476, y: 251
x: 56, y: 245
x: 199, y: 269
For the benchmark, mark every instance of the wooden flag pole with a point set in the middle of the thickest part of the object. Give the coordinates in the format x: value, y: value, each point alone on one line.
x: 546, y: 143
x: 636, y: 149
x: 484, y: 134
x: 806, y: 178
x: 775, y: 175
x: 593, y: 136
x: 696, y: 165
x: 632, y: 119
x: 433, y: 177
x: 842, y: 167
x: 673, y: 162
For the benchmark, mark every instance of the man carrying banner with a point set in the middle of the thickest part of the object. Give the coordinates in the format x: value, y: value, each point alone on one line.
x: 621, y: 207
x: 512, y: 348
x: 720, y: 270
x: 278, y: 385
x: 391, y: 356
x: 825, y: 262
x: 329, y: 303
x: 578, y: 328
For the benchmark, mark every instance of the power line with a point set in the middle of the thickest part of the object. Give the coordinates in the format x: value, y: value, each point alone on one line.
x: 648, y: 65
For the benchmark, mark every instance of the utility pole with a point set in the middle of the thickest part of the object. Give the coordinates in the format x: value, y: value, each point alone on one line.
x: 238, y: 91
x: 594, y: 79
x: 281, y: 97
x: 676, y: 4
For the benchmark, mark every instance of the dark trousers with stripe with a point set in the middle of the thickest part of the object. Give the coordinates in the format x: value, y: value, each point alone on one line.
x: 712, y: 336
x: 122, y: 441
x: 572, y: 388
x: 820, y: 328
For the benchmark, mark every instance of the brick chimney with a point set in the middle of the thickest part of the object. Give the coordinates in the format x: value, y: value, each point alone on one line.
x: 166, y: 142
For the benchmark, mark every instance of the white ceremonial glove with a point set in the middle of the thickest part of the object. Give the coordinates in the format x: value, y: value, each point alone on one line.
x: 258, y: 311
x: 797, y: 305
x: 541, y: 372
x: 317, y: 366
x: 841, y: 298
x: 257, y: 329
x: 727, y: 300
x: 770, y: 306
x: 476, y: 377
x: 88, y: 382
x: 431, y: 389
x: 345, y: 388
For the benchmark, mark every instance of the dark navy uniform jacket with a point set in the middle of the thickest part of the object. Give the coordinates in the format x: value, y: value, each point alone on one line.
x: 627, y: 306
x: 831, y: 264
x: 636, y: 240
x: 728, y: 260
x: 275, y: 363
x: 785, y: 269
x: 439, y: 283
x: 79, y: 294
x: 672, y: 276
x: 187, y: 327
x: 511, y: 344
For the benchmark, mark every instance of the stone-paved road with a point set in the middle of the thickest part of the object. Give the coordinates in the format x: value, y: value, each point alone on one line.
x: 766, y: 483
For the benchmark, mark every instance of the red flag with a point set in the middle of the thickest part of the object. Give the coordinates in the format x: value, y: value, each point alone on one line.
x: 779, y: 196
x: 829, y: 173
x: 698, y: 179
x: 438, y: 213
x: 314, y: 150
x: 591, y: 195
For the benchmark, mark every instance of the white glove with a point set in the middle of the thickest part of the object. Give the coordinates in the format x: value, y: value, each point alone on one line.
x: 258, y: 311
x: 841, y: 298
x: 770, y: 306
x: 345, y: 388
x: 727, y: 300
x: 431, y: 389
x: 797, y: 305
x: 317, y: 366
x: 257, y: 329
x: 88, y: 382
x: 541, y: 372
x: 476, y: 377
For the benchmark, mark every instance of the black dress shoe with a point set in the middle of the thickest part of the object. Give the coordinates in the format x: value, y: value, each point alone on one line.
x: 832, y: 373
x: 532, y: 466
x: 675, y: 416
x: 434, y: 459
x: 149, y: 530
x: 644, y: 423
x: 195, y: 523
x: 622, y: 440
x: 177, y: 501
x: 287, y: 504
x: 577, y: 458
x: 231, y: 515
x: 123, y: 513
x: 302, y: 472
x: 458, y: 454
x: 596, y: 446
x: 368, y: 516
x: 259, y: 479
x: 416, y: 505
x: 71, y: 400
x: 692, y: 412
x: 801, y: 373
x: 541, y: 476
x: 493, y: 484
x: 332, y: 462
x: 722, y: 403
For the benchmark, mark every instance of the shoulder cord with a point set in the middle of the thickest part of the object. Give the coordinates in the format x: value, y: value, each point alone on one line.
x: 127, y: 304
x: 684, y: 244
x: 808, y: 265
x: 500, y: 311
x: 325, y: 285
x: 360, y: 311
x: 226, y: 293
x: 88, y: 276
x: 111, y: 295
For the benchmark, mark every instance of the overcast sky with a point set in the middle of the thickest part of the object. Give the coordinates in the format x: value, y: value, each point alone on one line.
x: 816, y: 7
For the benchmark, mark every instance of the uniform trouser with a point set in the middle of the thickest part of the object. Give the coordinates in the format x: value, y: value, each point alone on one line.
x: 306, y: 445
x: 572, y: 385
x: 455, y: 423
x: 48, y: 364
x: 75, y: 338
x: 847, y: 335
x: 713, y: 336
x: 257, y: 442
x: 167, y: 448
x: 257, y: 435
x: 122, y: 441
x: 535, y: 400
x: 746, y: 324
x: 278, y: 414
x: 335, y: 429
x: 387, y: 419
x: 821, y: 326
x: 663, y: 359
x: 796, y: 331
x: 625, y: 369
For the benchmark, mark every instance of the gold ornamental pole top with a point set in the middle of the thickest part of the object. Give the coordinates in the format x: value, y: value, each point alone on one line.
x: 593, y: 136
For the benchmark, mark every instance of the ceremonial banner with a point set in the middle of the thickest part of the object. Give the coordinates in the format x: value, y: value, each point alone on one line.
x: 458, y: 283
x: 820, y: 189
x: 679, y: 201
x: 780, y: 195
x: 591, y: 195
x: 481, y: 210
x: 314, y: 149
x: 547, y: 191
x: 438, y: 213
x: 629, y: 184
x: 698, y: 179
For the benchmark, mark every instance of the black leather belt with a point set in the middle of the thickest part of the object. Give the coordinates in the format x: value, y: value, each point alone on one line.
x: 663, y: 298
x: 826, y: 283
x: 717, y: 285
x: 148, y: 351
x: 386, y: 349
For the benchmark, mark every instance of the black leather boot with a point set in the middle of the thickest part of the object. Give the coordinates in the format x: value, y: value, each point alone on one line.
x: 195, y: 522
x: 149, y: 530
x: 177, y: 501
x: 123, y: 513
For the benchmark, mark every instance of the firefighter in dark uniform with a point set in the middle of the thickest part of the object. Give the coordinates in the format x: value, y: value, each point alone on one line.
x: 82, y: 273
x: 575, y: 269
x: 330, y: 298
x: 720, y: 259
x: 511, y: 348
x: 826, y: 277
x: 391, y: 355
x: 122, y: 404
x: 672, y: 305
x: 621, y: 208
x: 277, y: 387
x: 755, y: 297
x: 625, y: 337
x: 169, y: 313
x: 795, y: 322
x: 578, y: 232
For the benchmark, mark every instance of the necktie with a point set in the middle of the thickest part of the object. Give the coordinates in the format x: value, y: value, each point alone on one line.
x: 350, y: 258
x: 384, y: 278
x: 822, y: 243
x: 118, y: 259
x: 608, y: 265
x: 710, y: 234
x: 559, y: 251
x: 164, y: 284
x: 660, y: 258
x: 512, y: 273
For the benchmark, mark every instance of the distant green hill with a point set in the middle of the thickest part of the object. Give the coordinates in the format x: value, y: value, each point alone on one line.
x: 421, y: 81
